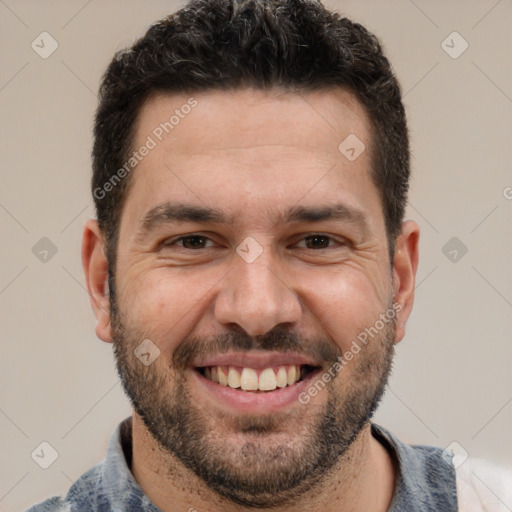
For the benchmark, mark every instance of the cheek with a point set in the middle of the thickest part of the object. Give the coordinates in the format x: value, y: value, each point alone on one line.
x: 343, y: 304
x: 164, y: 306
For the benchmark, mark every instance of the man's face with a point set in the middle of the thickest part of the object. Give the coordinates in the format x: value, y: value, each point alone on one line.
x: 229, y: 263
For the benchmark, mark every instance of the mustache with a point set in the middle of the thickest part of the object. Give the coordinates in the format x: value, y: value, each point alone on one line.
x: 279, y: 339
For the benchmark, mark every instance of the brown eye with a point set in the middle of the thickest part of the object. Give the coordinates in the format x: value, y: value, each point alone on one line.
x: 191, y: 242
x: 317, y: 241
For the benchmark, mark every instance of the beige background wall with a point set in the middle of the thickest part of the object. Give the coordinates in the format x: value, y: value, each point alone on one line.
x: 452, y: 374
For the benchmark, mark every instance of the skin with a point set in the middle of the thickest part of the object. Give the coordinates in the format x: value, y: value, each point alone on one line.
x: 253, y: 154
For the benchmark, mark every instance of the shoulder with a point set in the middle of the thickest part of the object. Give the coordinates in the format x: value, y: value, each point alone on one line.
x: 55, y: 504
x: 430, y: 478
x: 83, y: 493
x: 107, y: 486
x: 483, y: 486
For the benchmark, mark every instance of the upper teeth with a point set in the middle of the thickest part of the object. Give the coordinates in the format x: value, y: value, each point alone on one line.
x: 248, y: 379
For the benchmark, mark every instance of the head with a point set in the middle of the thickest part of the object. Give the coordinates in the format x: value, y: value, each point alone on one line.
x: 250, y: 173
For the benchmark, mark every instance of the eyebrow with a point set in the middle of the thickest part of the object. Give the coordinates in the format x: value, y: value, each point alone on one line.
x: 333, y: 212
x: 171, y: 213
x: 168, y: 213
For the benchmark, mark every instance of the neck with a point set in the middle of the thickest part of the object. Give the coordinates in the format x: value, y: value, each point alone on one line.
x: 363, y: 480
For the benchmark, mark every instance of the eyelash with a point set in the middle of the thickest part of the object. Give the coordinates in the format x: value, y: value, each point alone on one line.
x: 172, y: 242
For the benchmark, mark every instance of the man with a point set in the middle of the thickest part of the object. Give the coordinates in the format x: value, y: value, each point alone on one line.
x: 251, y: 266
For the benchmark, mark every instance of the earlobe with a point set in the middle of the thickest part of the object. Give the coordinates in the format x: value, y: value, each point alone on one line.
x: 405, y: 265
x: 95, y: 265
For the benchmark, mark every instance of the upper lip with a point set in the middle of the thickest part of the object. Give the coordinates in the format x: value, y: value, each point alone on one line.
x: 256, y: 360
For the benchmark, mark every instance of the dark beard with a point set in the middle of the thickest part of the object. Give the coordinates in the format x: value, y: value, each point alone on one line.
x: 256, y: 475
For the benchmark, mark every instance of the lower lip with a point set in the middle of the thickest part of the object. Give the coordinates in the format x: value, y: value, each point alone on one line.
x: 254, y: 402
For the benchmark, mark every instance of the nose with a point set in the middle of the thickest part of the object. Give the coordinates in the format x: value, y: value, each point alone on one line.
x: 256, y: 297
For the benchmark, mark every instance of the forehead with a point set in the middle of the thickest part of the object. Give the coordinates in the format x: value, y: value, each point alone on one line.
x: 271, y: 117
x: 245, y: 149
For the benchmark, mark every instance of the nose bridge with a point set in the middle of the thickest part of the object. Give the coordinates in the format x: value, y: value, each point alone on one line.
x: 255, y: 297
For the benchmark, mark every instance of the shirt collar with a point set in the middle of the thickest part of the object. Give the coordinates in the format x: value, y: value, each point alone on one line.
x: 120, y: 486
x: 425, y: 479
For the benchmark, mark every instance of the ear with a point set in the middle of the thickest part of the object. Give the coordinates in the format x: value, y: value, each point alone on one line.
x: 95, y: 266
x: 405, y: 265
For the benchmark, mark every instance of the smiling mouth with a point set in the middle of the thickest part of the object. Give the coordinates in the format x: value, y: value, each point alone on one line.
x: 255, y: 380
